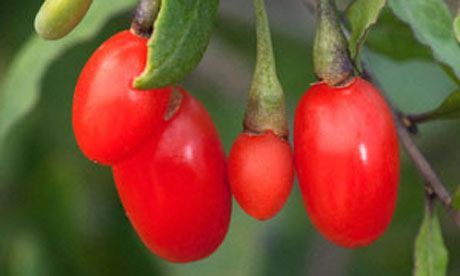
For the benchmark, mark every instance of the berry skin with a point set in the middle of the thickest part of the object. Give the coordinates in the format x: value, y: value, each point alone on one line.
x: 347, y: 160
x: 175, y: 191
x: 261, y: 173
x: 111, y: 119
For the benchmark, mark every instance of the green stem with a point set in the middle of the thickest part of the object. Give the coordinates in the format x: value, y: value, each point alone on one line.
x: 420, y: 117
x: 266, y: 108
x: 330, y: 49
x: 144, y: 17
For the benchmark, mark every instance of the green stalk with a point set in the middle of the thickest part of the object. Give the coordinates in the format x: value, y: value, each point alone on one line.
x: 266, y: 108
x: 331, y: 58
x: 144, y: 17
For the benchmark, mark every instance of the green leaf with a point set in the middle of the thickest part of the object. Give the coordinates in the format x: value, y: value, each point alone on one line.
x: 180, y: 37
x: 431, y: 23
x: 457, y: 27
x: 362, y: 14
x: 449, y: 108
x: 456, y: 199
x: 431, y: 255
x: 451, y: 74
x: 26, y: 256
x: 21, y: 85
x: 394, y: 39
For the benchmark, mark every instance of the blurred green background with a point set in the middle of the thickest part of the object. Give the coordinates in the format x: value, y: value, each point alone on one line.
x: 60, y: 214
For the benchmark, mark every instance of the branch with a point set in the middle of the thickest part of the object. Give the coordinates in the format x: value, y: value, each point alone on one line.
x: 432, y: 180
x: 419, y: 118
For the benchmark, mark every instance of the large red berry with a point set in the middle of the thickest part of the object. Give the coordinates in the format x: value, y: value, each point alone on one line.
x: 347, y: 160
x: 111, y: 119
x: 261, y: 173
x: 175, y: 190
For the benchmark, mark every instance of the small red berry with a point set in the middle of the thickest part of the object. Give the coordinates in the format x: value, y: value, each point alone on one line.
x: 261, y: 173
x: 174, y: 190
x: 347, y: 160
x: 111, y: 119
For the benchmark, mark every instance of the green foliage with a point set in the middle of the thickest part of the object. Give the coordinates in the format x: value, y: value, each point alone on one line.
x: 431, y: 255
x: 180, y: 37
x: 431, y: 23
x: 456, y: 24
x: 456, y: 199
x: 449, y: 108
x: 26, y: 258
x: 20, y: 90
x: 362, y: 15
x: 394, y: 39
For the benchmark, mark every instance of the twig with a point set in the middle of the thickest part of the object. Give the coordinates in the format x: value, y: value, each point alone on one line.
x: 420, y: 117
x: 430, y: 198
x: 421, y: 163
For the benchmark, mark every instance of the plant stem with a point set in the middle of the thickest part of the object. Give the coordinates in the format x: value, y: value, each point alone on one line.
x: 420, y: 117
x: 266, y: 108
x: 430, y: 197
x: 427, y: 172
x: 144, y: 17
x: 331, y: 58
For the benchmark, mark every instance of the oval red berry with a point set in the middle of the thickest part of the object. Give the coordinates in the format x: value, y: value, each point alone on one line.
x: 111, y: 119
x: 347, y: 160
x: 261, y: 173
x: 175, y: 189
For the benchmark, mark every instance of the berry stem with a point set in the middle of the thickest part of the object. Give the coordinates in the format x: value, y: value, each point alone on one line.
x: 420, y: 117
x: 331, y: 58
x: 266, y: 108
x: 144, y: 17
x: 430, y: 197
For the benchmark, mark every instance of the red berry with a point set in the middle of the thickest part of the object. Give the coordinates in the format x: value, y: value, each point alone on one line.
x: 347, y: 160
x: 112, y: 119
x: 261, y: 172
x: 174, y: 189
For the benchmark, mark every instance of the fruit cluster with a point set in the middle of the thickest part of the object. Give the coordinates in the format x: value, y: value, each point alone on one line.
x: 171, y: 172
x: 166, y: 156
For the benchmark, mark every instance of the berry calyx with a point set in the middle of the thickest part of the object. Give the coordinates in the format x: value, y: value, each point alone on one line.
x: 331, y: 60
x: 260, y: 163
x: 266, y: 107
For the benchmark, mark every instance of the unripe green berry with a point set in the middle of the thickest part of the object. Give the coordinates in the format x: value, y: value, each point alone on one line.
x: 56, y: 18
